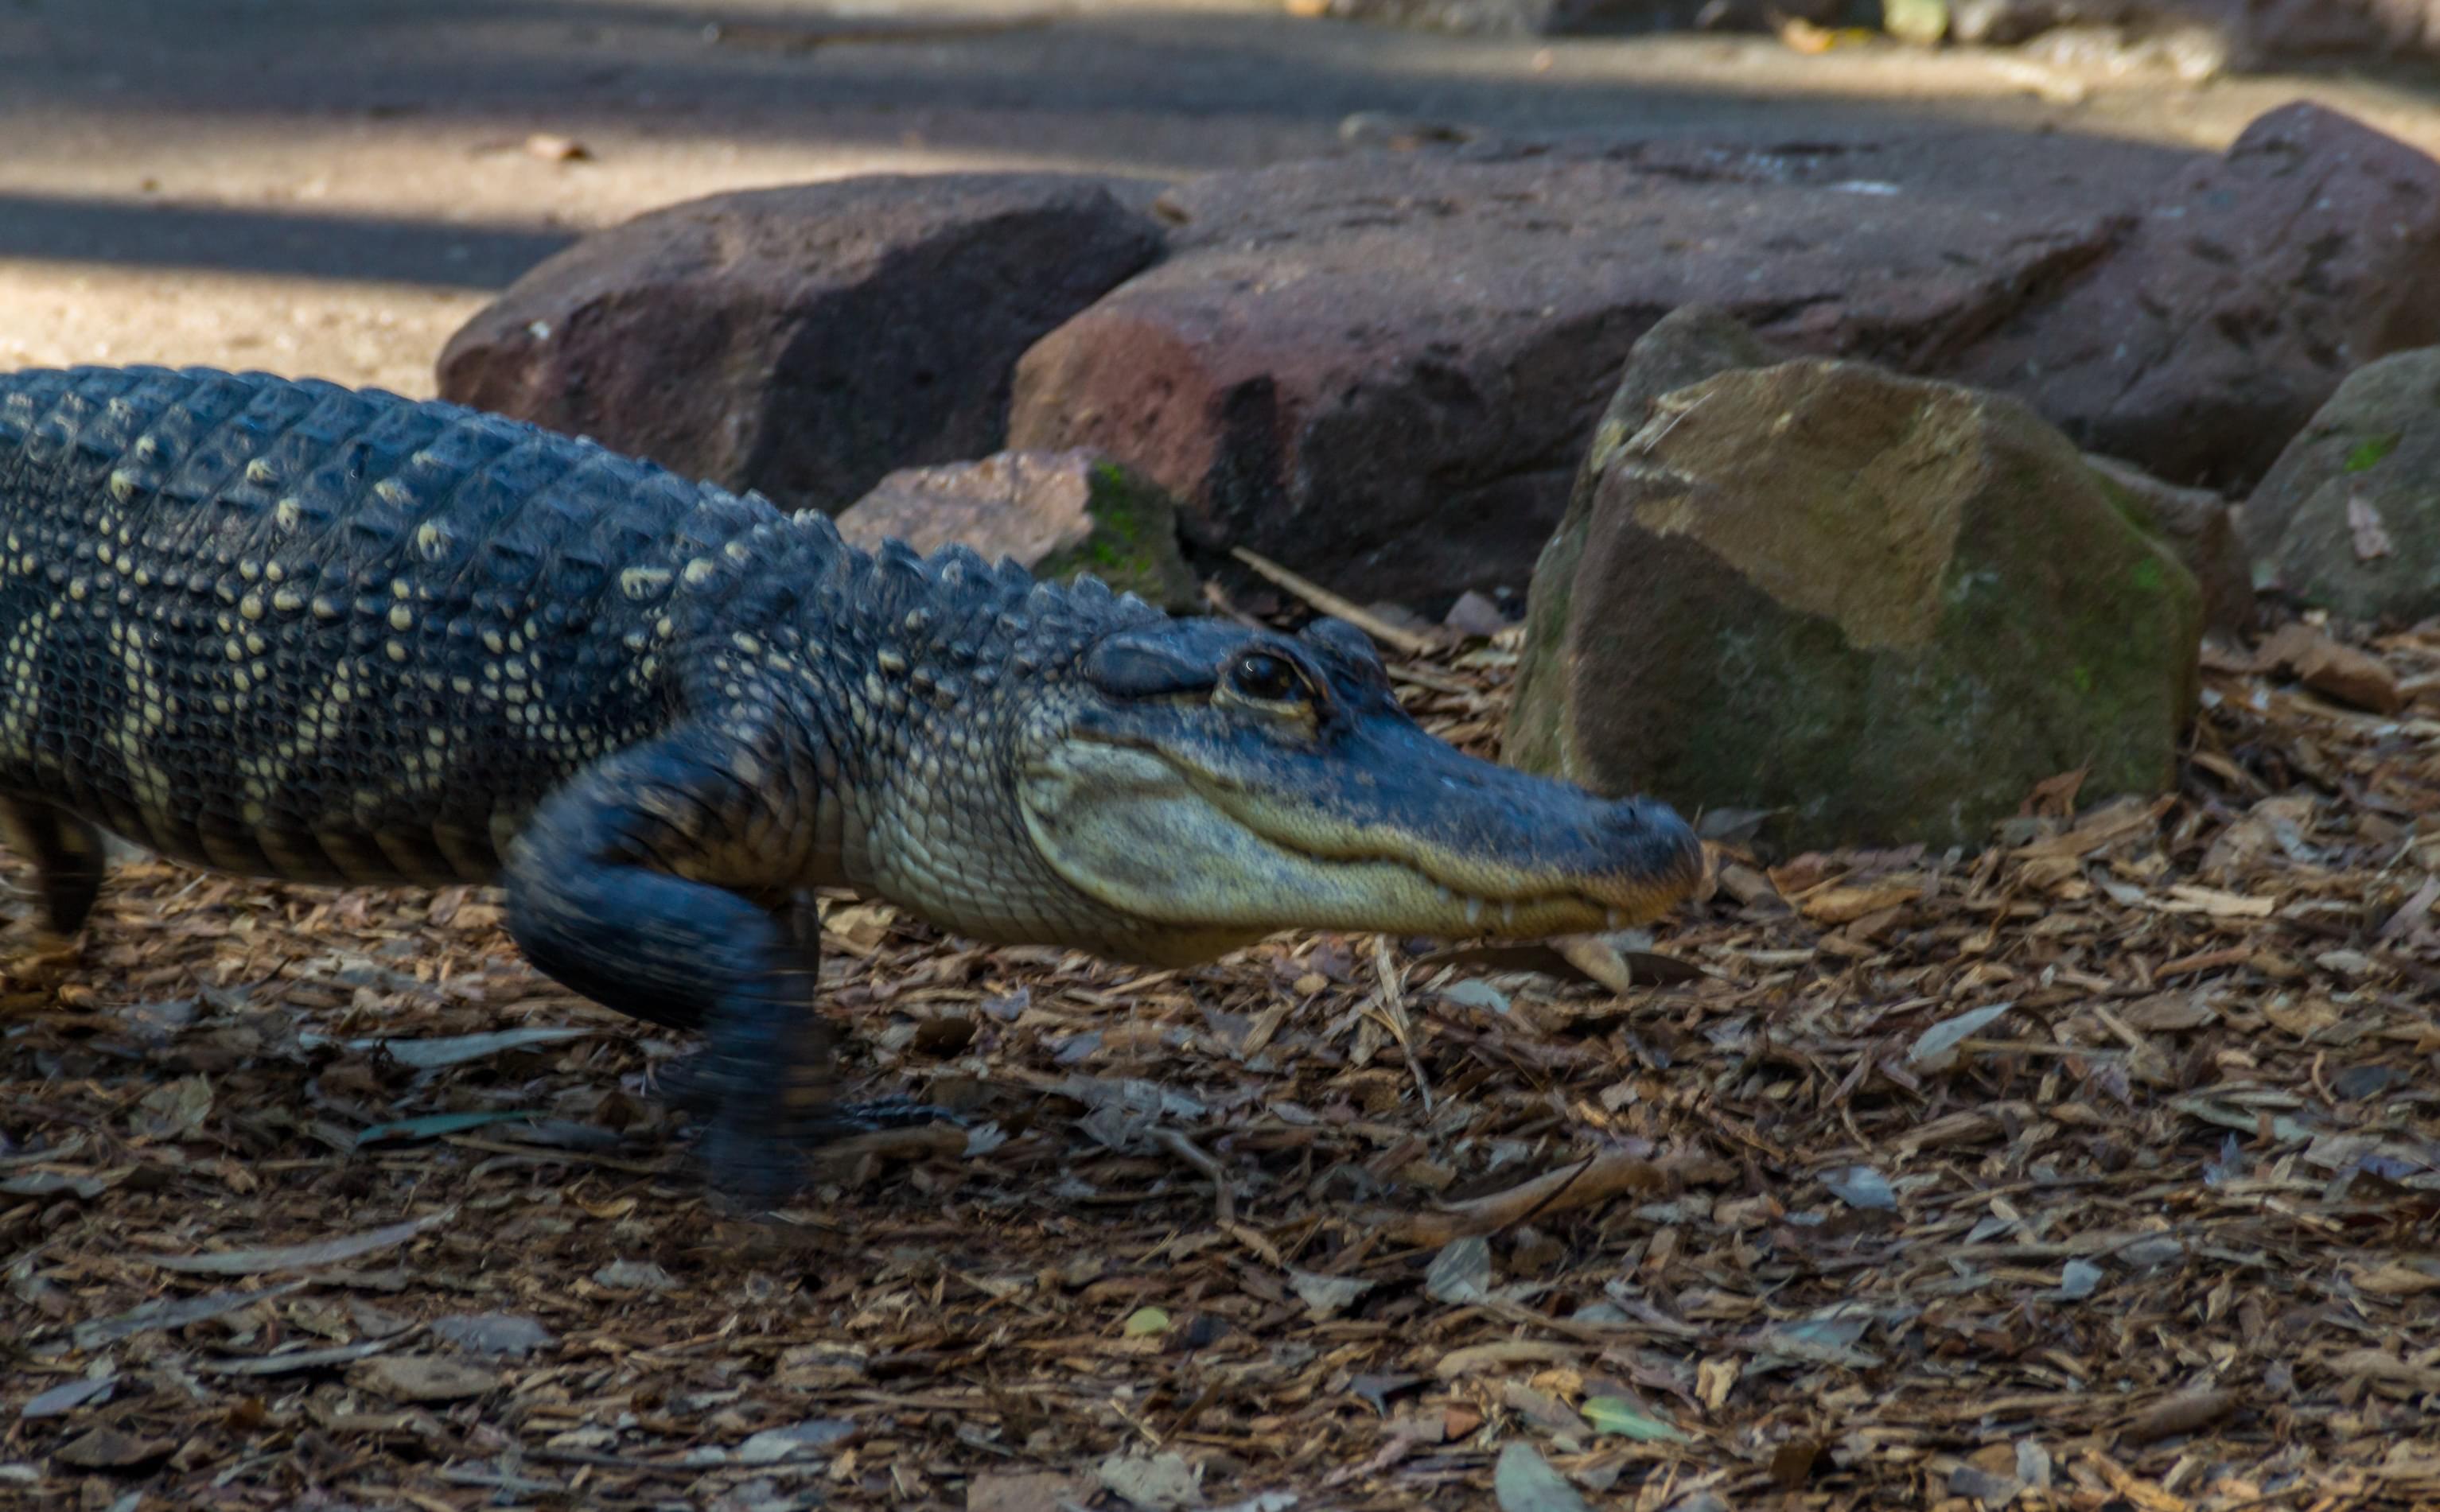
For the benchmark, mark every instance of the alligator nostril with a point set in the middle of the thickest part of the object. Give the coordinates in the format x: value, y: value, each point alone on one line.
x: 1629, y: 813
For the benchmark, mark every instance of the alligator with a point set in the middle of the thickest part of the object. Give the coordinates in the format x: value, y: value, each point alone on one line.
x: 293, y: 629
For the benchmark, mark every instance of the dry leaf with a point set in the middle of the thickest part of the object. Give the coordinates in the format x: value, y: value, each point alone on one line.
x: 112, y: 1449
x: 422, y: 1379
x: 1838, y: 904
x: 2187, y: 898
x: 2181, y: 1414
x: 2326, y: 666
x: 301, y: 1256
x: 2395, y: 1280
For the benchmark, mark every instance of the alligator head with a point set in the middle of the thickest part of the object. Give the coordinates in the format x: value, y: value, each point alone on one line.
x: 1203, y: 784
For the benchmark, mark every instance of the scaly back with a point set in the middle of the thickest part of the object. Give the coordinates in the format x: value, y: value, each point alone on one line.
x: 285, y: 627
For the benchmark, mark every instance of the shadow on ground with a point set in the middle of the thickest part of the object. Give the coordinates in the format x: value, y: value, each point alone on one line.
x: 1095, y: 90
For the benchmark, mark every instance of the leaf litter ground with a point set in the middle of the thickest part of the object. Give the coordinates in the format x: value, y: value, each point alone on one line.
x: 2099, y: 1171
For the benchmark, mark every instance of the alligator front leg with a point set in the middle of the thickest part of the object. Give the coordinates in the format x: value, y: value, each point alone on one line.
x: 693, y: 1084
x: 68, y: 857
x: 637, y: 885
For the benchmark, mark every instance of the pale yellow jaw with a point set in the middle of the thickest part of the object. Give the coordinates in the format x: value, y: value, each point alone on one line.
x: 1132, y: 831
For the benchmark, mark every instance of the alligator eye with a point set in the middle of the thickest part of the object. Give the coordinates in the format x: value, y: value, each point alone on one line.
x: 1268, y: 678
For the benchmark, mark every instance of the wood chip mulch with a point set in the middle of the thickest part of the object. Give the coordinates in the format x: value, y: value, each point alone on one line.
x: 2098, y: 1170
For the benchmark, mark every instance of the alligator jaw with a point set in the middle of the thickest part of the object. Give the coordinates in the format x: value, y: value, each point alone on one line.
x: 1168, y: 847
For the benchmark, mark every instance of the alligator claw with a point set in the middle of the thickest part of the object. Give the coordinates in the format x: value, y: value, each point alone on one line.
x: 755, y: 1146
x: 819, y: 1126
x: 744, y: 1161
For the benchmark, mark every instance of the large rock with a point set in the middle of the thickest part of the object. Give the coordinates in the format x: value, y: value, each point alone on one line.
x: 1381, y: 371
x: 1060, y: 513
x: 1687, y: 346
x: 802, y: 340
x: 1695, y: 343
x: 2350, y: 518
x: 2250, y: 290
x: 1824, y: 590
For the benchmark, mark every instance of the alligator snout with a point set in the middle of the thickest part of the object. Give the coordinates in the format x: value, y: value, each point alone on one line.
x: 1641, y: 846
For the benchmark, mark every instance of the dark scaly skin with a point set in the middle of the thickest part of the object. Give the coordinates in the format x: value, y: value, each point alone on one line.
x: 290, y: 630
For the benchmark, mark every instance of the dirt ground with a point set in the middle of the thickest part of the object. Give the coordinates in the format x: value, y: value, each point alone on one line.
x: 2100, y: 1171
x: 2097, y: 1172
x: 330, y: 188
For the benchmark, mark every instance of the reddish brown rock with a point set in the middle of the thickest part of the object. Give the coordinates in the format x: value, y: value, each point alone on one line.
x: 802, y: 340
x: 1382, y: 371
x: 2254, y: 284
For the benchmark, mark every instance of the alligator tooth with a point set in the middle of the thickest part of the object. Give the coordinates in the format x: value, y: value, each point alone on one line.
x: 1508, y: 913
x: 1612, y: 918
x: 1473, y: 910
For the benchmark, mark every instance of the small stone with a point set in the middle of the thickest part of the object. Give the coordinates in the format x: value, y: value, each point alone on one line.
x: 1861, y: 1186
x: 1036, y: 1491
x: 1983, y: 1486
x: 1160, y: 1482
x: 501, y: 1334
x: 795, y: 1441
x: 1474, y: 614
x: 1058, y: 514
x: 634, y: 1275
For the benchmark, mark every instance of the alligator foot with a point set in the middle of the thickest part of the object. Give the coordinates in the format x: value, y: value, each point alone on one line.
x: 822, y: 1124
x: 693, y: 1087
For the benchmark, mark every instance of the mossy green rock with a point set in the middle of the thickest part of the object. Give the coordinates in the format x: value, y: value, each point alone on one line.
x: 1060, y: 513
x: 1881, y: 608
x: 2349, y: 518
x: 2199, y: 527
x: 1687, y: 346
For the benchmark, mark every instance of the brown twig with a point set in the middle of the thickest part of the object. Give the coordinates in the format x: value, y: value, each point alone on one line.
x: 1224, y: 1196
x: 1393, y: 1012
x: 1330, y: 604
x: 1605, y: 1176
